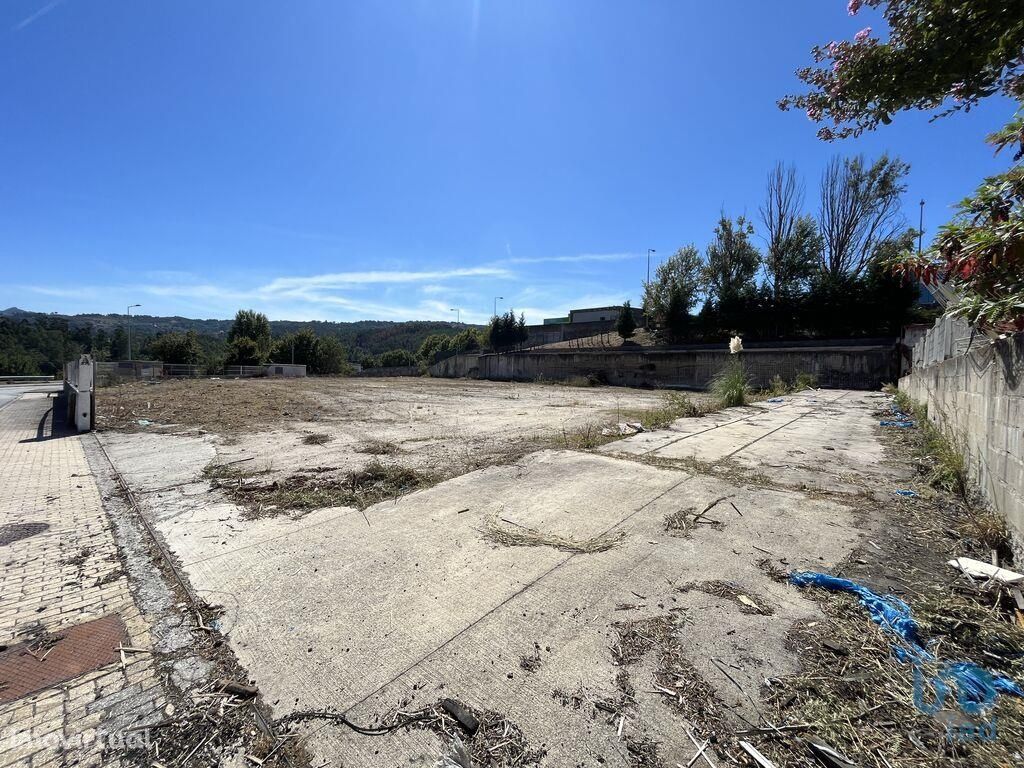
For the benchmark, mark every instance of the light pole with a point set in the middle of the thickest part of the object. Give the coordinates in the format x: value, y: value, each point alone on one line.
x: 495, y: 313
x: 458, y: 315
x: 649, y: 252
x: 130, y: 330
x: 920, y: 229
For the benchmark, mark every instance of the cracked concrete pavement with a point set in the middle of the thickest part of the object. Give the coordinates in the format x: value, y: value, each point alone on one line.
x: 410, y: 601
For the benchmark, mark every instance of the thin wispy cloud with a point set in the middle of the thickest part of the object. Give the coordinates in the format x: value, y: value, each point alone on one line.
x: 582, y: 257
x: 399, y: 294
x: 347, y: 279
x: 37, y: 15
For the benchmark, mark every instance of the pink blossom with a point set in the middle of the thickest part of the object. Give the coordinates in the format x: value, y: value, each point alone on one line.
x: 863, y: 35
x: 853, y: 6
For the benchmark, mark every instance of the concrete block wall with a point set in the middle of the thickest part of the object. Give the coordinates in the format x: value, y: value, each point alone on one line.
x: 979, y: 398
x: 847, y: 367
x: 456, y: 366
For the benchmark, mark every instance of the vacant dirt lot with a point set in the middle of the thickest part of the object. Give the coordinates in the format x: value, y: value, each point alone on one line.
x: 441, y: 427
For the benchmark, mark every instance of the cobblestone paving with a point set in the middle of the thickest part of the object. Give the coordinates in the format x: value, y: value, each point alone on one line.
x: 56, y: 577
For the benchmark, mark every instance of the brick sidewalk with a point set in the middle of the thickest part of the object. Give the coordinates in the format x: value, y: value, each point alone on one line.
x: 60, y: 569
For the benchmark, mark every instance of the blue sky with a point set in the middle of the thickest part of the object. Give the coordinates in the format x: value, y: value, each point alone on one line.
x: 392, y: 160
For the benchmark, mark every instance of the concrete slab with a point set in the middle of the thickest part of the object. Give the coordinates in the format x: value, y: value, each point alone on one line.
x: 411, y: 601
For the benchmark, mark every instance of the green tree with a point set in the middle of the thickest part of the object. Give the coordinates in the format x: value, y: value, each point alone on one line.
x: 939, y: 53
x: 507, y: 331
x: 731, y: 261
x: 793, y: 240
x: 625, y: 326
x: 244, y: 351
x: 175, y: 347
x: 397, y: 358
x: 330, y: 356
x: 948, y: 55
x: 100, y: 346
x: 252, y: 325
x: 676, y: 319
x: 678, y: 279
x: 468, y: 340
x: 434, y: 346
x: 300, y: 348
x: 860, y: 210
x: 119, y: 344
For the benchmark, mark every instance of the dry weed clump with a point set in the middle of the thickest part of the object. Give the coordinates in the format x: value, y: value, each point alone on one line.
x: 378, y: 448
x: 862, y: 701
x: 497, y: 742
x: 675, y: 678
x: 316, y: 438
x: 583, y: 437
x: 513, y: 535
x: 675, y: 406
x: 747, y: 601
x: 319, y: 488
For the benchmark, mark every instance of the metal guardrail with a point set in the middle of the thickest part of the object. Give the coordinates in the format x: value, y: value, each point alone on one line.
x: 15, y: 379
x: 154, y: 370
x: 80, y: 393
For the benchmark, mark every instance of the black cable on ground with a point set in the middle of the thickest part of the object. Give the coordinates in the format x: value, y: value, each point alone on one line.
x: 337, y: 717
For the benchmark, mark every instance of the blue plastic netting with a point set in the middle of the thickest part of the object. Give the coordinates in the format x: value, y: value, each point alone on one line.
x: 893, y: 615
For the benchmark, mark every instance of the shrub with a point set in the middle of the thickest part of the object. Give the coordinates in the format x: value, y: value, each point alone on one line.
x: 778, y: 385
x: 805, y: 380
x: 732, y: 385
x: 397, y: 358
x: 626, y: 325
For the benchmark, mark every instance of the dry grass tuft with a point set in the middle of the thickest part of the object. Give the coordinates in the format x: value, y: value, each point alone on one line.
x: 676, y: 406
x: 745, y: 599
x: 316, y: 438
x: 378, y: 448
x: 584, y: 437
x: 513, y: 535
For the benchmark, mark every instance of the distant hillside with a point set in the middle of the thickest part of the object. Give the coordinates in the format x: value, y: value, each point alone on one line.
x: 368, y: 336
x: 36, y: 342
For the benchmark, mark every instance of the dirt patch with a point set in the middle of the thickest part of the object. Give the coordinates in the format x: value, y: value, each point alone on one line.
x: 378, y: 448
x: 214, y: 405
x: 514, y: 535
x: 748, y: 602
x: 323, y: 487
x: 675, y: 678
x: 78, y: 559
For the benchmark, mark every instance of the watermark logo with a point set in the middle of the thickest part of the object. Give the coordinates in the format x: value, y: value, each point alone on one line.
x: 92, y: 738
x: 975, y: 697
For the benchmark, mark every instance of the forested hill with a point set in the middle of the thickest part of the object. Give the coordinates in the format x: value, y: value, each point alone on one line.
x: 372, y: 336
x: 36, y: 340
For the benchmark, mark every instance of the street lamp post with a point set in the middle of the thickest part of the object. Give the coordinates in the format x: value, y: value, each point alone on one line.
x: 649, y: 252
x: 495, y: 313
x: 130, y: 330
x: 458, y: 315
x: 920, y: 229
